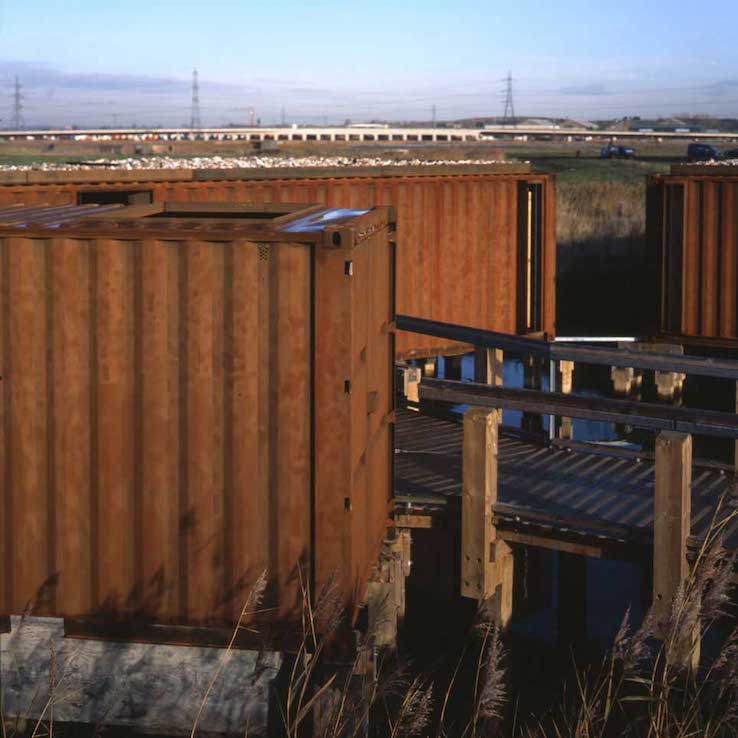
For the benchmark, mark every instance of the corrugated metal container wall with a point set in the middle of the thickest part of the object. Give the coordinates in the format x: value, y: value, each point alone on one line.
x: 693, y: 232
x: 476, y: 245
x: 183, y: 409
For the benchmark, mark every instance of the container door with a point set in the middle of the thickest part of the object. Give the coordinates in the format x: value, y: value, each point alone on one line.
x: 672, y: 259
x: 530, y: 258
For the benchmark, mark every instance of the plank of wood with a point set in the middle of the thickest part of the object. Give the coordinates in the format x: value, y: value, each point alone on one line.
x: 504, y: 570
x: 587, y: 354
x: 672, y: 520
x: 413, y: 521
x: 478, y: 497
x: 639, y: 414
x: 553, y: 543
x: 487, y: 366
x: 474, y: 336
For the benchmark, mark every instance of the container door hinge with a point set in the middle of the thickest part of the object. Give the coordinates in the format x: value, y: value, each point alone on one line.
x: 348, y: 268
x: 347, y: 386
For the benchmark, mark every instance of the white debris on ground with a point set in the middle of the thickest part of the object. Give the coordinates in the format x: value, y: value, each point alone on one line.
x: 714, y: 163
x: 250, y: 162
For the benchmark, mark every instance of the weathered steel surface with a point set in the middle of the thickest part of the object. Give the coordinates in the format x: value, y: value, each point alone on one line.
x: 187, y: 402
x: 693, y: 233
x: 462, y: 230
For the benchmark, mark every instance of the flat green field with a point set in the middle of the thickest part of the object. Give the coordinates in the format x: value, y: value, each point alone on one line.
x: 562, y: 160
x: 30, y: 159
x: 579, y: 171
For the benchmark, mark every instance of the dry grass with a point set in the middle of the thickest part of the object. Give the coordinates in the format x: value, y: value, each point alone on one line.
x: 648, y: 686
x: 597, y: 210
x: 644, y: 687
x: 601, y: 257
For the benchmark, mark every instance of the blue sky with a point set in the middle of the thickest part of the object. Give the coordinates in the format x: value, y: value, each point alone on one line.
x: 94, y: 63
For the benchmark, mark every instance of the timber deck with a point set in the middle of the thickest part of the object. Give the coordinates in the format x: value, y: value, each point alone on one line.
x: 578, y: 498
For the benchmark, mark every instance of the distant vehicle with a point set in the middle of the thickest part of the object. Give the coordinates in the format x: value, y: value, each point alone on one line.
x: 703, y: 152
x: 730, y: 154
x: 617, y: 152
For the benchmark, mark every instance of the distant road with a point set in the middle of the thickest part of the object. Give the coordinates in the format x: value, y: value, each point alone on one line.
x: 357, y: 134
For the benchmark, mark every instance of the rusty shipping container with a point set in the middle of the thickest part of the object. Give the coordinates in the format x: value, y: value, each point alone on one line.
x: 476, y: 243
x: 192, y: 395
x: 692, y: 224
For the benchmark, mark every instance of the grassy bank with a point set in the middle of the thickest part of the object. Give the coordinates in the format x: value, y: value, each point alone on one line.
x: 600, y: 210
x: 605, y: 284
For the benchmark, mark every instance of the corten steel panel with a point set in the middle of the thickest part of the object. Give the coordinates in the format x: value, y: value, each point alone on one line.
x: 353, y: 303
x: 182, y: 412
x: 696, y: 236
x: 548, y: 281
x: 458, y: 230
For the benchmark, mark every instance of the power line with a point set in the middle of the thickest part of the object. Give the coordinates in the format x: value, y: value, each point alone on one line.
x: 18, y: 122
x: 195, y: 114
x: 509, y: 115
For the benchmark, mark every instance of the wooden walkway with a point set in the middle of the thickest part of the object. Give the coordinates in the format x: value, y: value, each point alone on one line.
x: 594, y: 501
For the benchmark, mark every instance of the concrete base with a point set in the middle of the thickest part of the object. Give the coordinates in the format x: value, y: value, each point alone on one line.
x: 150, y: 687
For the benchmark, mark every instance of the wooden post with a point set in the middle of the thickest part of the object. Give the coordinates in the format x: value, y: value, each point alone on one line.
x: 486, y: 563
x: 488, y: 366
x: 671, y: 525
x: 411, y: 377
x: 532, y: 372
x: 668, y: 384
x: 532, y: 422
x: 504, y: 573
x: 622, y: 379
x: 566, y: 369
x: 479, y: 494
